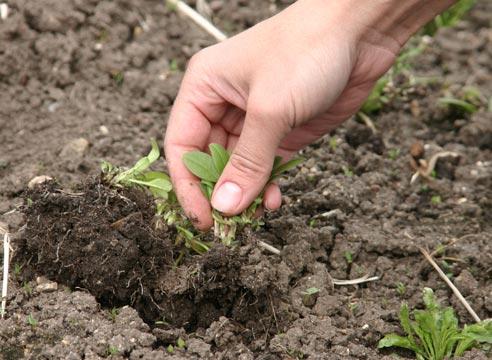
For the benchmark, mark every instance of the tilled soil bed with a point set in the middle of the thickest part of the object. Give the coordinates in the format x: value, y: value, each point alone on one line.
x: 91, y: 276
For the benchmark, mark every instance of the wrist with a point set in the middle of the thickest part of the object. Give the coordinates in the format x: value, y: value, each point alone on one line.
x: 385, y: 23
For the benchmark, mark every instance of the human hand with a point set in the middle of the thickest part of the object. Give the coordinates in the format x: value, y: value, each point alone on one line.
x: 278, y: 87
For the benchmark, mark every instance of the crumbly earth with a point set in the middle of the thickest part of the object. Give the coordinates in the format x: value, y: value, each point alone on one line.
x: 91, y: 278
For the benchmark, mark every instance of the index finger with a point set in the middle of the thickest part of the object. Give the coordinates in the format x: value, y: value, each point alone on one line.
x: 188, y: 129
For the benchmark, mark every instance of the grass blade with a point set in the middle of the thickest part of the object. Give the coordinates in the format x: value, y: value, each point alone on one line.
x: 220, y: 156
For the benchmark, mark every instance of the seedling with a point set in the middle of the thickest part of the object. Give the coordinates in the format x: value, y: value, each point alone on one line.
x: 112, y: 350
x: 208, y: 169
x: 180, y: 343
x: 347, y: 172
x: 401, y: 289
x: 311, y: 291
x: 32, y: 321
x: 349, y: 258
x: 462, y: 106
x: 393, y: 154
x: 113, y: 313
x: 436, y: 199
x: 434, y: 333
x: 160, y: 186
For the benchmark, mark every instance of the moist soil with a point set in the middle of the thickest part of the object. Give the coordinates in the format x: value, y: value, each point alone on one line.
x: 94, y: 277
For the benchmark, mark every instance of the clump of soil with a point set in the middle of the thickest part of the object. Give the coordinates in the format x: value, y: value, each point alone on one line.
x: 107, y: 242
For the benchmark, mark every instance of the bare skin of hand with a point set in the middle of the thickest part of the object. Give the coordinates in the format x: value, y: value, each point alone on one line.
x: 278, y: 87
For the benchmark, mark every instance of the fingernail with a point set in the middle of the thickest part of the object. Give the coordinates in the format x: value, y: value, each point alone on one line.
x: 227, y: 197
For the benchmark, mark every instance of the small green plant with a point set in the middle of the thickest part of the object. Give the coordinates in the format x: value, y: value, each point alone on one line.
x: 118, y: 78
x: 349, y: 257
x: 180, y: 343
x: 393, y: 154
x: 170, y: 349
x: 27, y: 288
x: 173, y: 65
x: 347, y: 172
x: 112, y: 350
x: 32, y: 321
x: 436, y: 199
x: 449, y: 17
x: 17, y: 269
x: 333, y: 143
x: 401, y: 289
x: 311, y: 291
x: 113, y: 313
x: 208, y: 168
x: 434, y: 333
x: 460, y: 105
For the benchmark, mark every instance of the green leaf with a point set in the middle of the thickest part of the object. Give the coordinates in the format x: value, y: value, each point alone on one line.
x: 159, y: 187
x: 276, y: 163
x: 430, y: 300
x: 207, y: 188
x: 201, y: 165
x: 405, y: 321
x: 185, y: 232
x: 144, y: 163
x: 220, y: 157
x: 462, y: 105
x: 141, y: 165
x: 285, y: 167
x: 391, y: 340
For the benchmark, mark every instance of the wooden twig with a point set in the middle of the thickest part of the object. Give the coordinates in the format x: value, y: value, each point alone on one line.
x: 443, y: 276
x: 269, y: 247
x: 357, y: 281
x: 6, y: 260
x: 198, y: 19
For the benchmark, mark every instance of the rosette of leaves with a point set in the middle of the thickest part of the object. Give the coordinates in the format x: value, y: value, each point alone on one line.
x: 208, y: 168
x: 434, y: 333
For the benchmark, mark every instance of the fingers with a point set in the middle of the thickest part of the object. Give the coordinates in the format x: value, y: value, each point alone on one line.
x: 250, y: 164
x: 272, y: 198
x: 190, y: 127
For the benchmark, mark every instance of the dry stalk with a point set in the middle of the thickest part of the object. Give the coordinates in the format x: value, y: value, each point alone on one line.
x: 269, y: 247
x: 368, y: 122
x: 6, y: 260
x: 198, y: 19
x: 443, y: 276
x: 425, y: 169
x: 357, y: 281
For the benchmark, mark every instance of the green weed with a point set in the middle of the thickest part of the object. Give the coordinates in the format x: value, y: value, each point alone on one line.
x: 32, y: 321
x: 208, y: 168
x: 449, y: 17
x: 434, y: 333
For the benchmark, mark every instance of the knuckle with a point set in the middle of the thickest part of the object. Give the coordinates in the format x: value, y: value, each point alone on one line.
x: 248, y: 166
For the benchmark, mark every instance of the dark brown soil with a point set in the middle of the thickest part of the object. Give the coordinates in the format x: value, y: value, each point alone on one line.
x: 90, y: 80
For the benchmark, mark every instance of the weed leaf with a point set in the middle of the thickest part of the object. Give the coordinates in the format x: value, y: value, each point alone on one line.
x: 144, y: 163
x: 462, y: 105
x: 207, y: 188
x: 280, y: 169
x: 159, y: 187
x: 396, y: 340
x: 201, y: 165
x: 220, y: 157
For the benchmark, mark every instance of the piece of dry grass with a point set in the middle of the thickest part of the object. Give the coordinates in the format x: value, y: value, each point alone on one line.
x: 455, y: 290
x: 198, y: 19
x: 6, y: 260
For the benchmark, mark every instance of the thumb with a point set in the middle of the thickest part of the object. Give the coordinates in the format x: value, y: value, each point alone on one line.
x: 250, y: 164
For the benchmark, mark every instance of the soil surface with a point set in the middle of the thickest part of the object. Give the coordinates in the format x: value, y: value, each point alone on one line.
x: 92, y: 278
